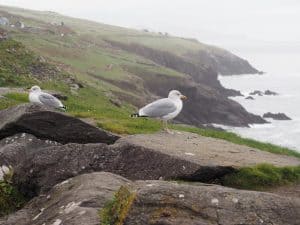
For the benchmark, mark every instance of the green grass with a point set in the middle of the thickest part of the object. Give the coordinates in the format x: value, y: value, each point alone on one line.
x: 10, y: 198
x: 115, y: 211
x: 234, y: 138
x: 12, y: 99
x: 262, y: 176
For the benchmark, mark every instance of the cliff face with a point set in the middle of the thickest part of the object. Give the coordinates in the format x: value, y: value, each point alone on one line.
x: 223, y: 62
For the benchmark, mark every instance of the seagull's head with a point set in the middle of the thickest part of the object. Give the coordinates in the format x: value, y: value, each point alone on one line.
x: 35, y: 89
x: 174, y: 94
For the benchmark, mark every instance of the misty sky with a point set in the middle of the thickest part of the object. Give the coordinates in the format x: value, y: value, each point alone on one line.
x: 242, y: 26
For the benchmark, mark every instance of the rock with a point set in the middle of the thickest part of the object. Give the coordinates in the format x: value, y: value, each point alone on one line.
x: 268, y: 92
x: 170, y: 203
x: 256, y: 92
x: 45, y: 123
x: 75, y: 201
x: 39, y: 164
x: 37, y: 167
x: 276, y: 116
x: 79, y: 200
x: 249, y: 98
x: 207, y: 151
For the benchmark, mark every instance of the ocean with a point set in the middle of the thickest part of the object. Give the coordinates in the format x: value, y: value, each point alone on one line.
x: 282, y: 78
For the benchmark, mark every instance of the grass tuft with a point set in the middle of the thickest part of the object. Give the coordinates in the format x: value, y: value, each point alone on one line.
x: 10, y: 198
x: 262, y: 176
x: 116, y: 210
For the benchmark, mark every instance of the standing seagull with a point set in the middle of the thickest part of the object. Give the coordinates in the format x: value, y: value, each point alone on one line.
x: 37, y: 96
x: 164, y: 109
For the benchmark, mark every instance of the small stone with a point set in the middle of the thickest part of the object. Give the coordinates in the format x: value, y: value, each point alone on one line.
x: 215, y: 201
x: 235, y: 200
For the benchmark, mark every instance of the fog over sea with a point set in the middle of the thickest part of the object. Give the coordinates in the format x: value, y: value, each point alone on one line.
x: 282, y: 76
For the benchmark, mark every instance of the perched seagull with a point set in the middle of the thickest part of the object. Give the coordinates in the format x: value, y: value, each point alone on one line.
x: 37, y: 96
x: 164, y: 109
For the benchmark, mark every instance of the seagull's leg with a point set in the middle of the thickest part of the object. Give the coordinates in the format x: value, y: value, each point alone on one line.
x: 166, y: 128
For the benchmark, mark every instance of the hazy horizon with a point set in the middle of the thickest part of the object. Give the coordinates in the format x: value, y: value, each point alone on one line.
x: 247, y: 28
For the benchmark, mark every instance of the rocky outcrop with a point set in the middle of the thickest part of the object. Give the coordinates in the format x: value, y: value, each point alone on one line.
x: 268, y: 92
x: 45, y: 123
x: 40, y: 164
x: 257, y: 92
x: 221, y: 61
x: 249, y: 98
x: 276, y: 116
x: 75, y: 201
x: 65, y: 187
x: 200, y: 83
x: 160, y: 202
x: 83, y: 200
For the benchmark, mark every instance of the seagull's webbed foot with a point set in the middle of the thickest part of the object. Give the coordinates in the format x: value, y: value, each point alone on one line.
x: 167, y: 130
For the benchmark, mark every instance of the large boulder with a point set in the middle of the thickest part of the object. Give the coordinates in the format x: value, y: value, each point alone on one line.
x: 75, y: 201
x: 170, y: 203
x: 45, y: 123
x: 40, y: 164
x: 84, y: 200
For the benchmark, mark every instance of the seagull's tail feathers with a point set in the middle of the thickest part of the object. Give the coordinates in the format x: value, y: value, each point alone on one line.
x: 63, y: 108
x: 135, y: 115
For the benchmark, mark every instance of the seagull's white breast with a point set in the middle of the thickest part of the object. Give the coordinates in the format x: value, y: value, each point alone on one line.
x: 34, y: 98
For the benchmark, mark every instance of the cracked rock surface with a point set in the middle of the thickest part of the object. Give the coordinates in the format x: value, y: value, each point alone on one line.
x: 79, y: 200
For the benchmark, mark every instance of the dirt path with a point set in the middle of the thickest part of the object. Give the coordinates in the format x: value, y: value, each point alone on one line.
x: 208, y: 151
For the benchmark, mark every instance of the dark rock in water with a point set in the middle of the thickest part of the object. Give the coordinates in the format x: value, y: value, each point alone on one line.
x: 256, y: 92
x: 276, y: 116
x: 45, y: 123
x: 268, y: 92
x: 249, y: 98
x: 79, y: 200
x: 261, y: 72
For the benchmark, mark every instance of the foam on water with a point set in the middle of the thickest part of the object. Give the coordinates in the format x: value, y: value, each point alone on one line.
x: 284, y: 133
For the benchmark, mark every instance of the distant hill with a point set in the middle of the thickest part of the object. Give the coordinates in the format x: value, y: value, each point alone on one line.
x: 128, y: 67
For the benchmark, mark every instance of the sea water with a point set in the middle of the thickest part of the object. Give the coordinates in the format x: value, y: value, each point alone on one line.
x: 287, y: 85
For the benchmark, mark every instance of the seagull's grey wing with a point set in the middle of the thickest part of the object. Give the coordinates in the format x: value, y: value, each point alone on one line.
x: 159, y: 108
x: 50, y: 100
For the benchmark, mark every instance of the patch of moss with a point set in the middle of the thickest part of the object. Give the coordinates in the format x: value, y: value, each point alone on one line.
x: 116, y: 210
x: 262, y: 176
x: 10, y: 198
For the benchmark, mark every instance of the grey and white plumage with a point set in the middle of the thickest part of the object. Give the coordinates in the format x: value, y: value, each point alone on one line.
x: 164, y: 109
x: 37, y: 96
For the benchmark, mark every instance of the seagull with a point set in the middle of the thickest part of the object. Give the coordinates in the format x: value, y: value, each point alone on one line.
x: 164, y: 109
x: 36, y: 95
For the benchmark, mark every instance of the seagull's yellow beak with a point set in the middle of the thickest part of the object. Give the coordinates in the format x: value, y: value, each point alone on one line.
x: 183, y: 97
